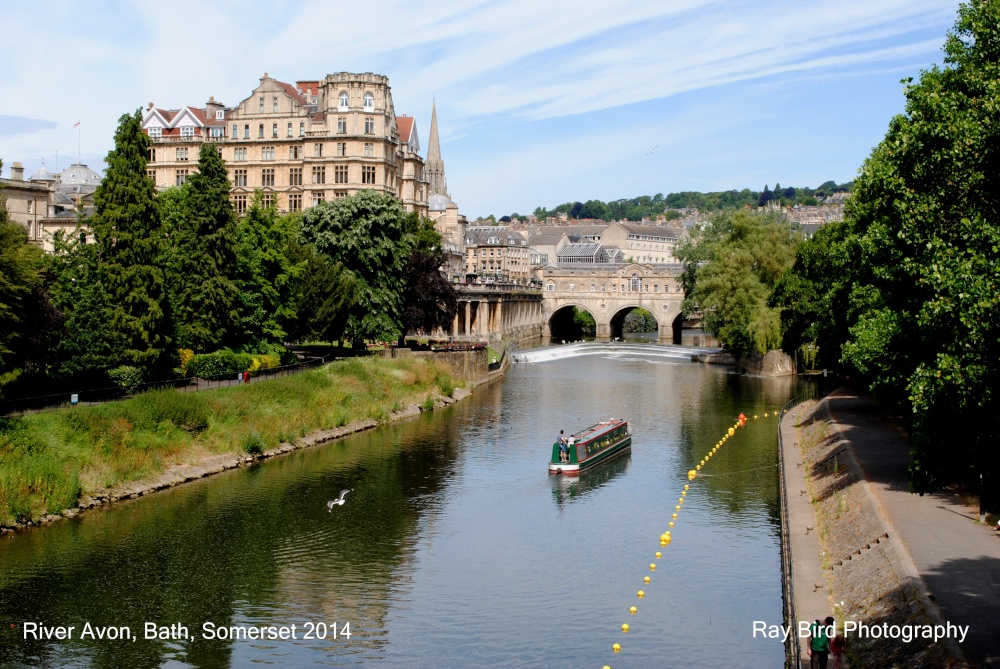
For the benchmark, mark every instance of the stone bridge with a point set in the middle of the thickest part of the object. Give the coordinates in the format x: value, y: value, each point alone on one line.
x: 610, y: 292
x: 607, y: 291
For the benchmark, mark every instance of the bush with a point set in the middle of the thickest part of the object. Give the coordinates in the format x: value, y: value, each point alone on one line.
x: 221, y: 362
x: 126, y: 377
x: 254, y: 444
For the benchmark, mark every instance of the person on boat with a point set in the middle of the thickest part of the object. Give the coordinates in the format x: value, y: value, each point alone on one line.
x: 563, y: 447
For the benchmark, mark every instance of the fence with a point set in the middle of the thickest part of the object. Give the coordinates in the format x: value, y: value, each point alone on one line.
x: 20, y: 406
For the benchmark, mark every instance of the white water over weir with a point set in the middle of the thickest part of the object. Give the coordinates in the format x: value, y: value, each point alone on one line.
x: 561, y: 351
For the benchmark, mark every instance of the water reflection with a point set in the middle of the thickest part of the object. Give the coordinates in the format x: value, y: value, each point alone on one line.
x: 450, y: 552
x: 566, y: 489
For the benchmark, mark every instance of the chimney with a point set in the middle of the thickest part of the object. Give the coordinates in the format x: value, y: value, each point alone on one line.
x: 17, y: 172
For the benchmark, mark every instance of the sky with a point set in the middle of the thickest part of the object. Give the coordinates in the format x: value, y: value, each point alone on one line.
x: 538, y: 103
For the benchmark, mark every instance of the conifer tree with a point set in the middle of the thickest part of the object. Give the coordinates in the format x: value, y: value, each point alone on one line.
x: 129, y: 235
x: 205, y: 295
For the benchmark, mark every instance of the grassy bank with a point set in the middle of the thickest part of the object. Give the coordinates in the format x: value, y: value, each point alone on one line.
x: 48, y: 460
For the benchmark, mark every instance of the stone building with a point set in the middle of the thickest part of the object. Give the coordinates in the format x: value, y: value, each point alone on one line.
x: 496, y: 254
x: 299, y: 145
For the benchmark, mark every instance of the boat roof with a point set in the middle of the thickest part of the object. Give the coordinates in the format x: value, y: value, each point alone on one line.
x: 598, y: 429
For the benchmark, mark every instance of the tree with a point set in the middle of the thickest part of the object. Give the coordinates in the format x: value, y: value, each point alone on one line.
x: 265, y: 274
x: 925, y: 278
x: 20, y: 296
x: 765, y: 197
x: 321, y: 297
x: 367, y: 235
x: 730, y: 273
x: 430, y: 300
x: 203, y: 258
x: 129, y: 236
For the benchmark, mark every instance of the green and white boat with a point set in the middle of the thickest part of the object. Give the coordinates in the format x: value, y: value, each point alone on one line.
x: 598, y: 443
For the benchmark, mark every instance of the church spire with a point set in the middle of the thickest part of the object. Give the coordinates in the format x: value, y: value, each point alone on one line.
x: 434, y: 167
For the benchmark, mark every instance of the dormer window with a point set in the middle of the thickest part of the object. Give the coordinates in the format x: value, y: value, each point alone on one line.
x: 156, y: 132
x: 344, y: 99
x: 369, y: 102
x: 219, y: 115
x: 187, y: 131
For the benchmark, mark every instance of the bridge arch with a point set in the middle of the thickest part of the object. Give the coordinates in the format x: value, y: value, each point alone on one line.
x: 562, y: 326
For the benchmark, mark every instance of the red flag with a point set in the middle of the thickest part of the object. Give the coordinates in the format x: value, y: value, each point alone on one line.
x: 76, y: 125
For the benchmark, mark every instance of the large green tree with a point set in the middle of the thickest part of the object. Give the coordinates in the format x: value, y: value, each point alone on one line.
x: 130, y: 238
x: 204, y: 294
x: 731, y: 270
x: 366, y: 234
x: 926, y: 277
x: 265, y: 273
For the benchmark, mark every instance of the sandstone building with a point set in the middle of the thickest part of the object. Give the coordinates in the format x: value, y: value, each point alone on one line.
x: 300, y: 145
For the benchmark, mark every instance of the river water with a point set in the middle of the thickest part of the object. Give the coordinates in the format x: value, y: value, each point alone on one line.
x: 456, y: 548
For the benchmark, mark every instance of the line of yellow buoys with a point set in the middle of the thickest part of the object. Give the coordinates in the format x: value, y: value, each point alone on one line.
x: 665, y: 538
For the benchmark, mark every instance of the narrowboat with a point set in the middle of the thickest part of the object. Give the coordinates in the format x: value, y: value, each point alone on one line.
x: 589, y: 447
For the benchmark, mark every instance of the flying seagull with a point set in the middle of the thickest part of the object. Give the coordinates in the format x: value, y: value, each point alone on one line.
x: 339, y: 501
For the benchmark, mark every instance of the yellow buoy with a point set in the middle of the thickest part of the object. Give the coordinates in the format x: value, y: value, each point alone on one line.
x: 680, y: 500
x: 659, y: 554
x: 645, y: 579
x: 662, y: 542
x: 652, y: 566
x: 641, y: 593
x: 616, y: 648
x: 691, y: 474
x: 632, y: 610
x: 678, y: 507
x: 765, y: 414
x: 731, y: 432
x: 624, y: 627
x: 686, y: 486
x: 670, y: 524
x: 674, y: 516
x: 755, y: 416
x: 605, y: 667
x: 698, y: 468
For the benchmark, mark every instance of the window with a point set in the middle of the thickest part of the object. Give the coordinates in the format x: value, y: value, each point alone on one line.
x: 341, y: 149
x: 156, y: 132
x: 341, y: 125
x: 302, y: 128
x: 369, y: 149
x: 219, y: 115
x: 262, y: 104
x: 572, y: 287
x: 274, y: 104
x: 634, y: 284
x: 274, y: 130
x: 319, y: 174
x: 295, y: 201
x: 240, y: 178
x: 294, y: 152
x: 344, y: 100
x: 240, y: 154
x: 260, y: 131
x: 593, y: 288
x: 267, y: 177
x: 267, y: 200
x: 181, y: 154
x: 217, y: 131
x: 604, y: 287
x: 236, y: 131
x: 317, y: 150
x: 246, y: 131
x: 295, y: 176
x: 368, y: 174
x: 369, y: 125
x: 289, y: 129
x: 339, y: 194
x: 319, y: 198
x: 473, y: 253
x: 340, y: 174
x: 240, y: 203
x: 369, y: 102
x: 150, y: 173
x: 180, y: 177
x: 267, y: 153
x: 152, y: 155
x: 550, y: 287
x: 656, y: 287
x: 187, y: 131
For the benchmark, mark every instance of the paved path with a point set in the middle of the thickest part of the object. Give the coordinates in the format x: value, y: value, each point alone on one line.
x: 809, y: 583
x: 957, y: 557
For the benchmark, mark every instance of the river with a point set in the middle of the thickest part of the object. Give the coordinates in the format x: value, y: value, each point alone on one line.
x: 456, y: 548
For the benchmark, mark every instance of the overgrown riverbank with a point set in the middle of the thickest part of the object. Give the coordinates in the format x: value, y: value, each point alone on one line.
x: 49, y: 460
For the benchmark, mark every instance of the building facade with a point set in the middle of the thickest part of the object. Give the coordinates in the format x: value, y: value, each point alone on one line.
x: 299, y: 145
x: 495, y: 254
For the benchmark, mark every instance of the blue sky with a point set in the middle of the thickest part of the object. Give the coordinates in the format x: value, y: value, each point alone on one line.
x: 538, y: 103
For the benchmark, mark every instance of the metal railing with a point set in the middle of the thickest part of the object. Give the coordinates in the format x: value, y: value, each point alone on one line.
x: 93, y: 396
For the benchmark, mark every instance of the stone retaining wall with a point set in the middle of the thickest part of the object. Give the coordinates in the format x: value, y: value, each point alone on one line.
x: 868, y: 572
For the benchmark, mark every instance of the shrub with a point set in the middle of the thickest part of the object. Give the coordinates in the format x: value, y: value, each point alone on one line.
x: 126, y: 377
x: 254, y: 444
x: 220, y: 362
x: 185, y: 355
